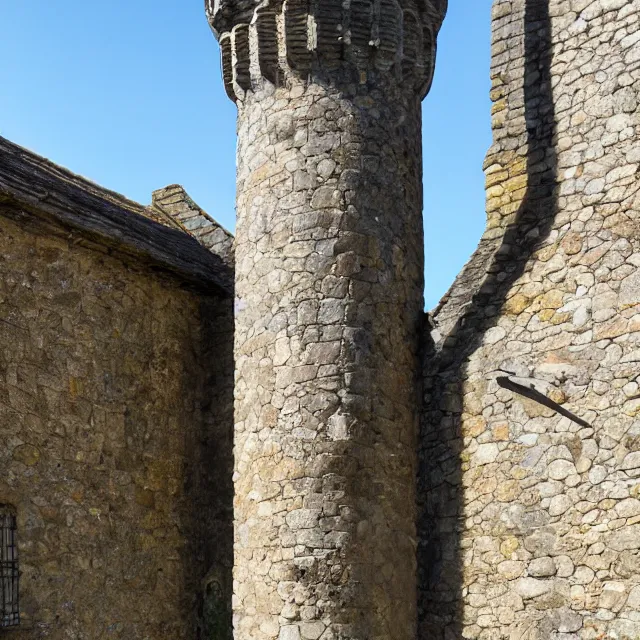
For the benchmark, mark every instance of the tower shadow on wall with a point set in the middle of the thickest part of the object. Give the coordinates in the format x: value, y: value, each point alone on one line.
x: 208, y: 511
x: 489, y: 276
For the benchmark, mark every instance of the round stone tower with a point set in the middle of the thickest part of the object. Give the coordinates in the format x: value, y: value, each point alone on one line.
x: 329, y: 282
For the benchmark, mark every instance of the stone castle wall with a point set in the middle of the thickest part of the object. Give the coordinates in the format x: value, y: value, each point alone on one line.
x: 329, y: 289
x: 115, y: 429
x: 530, y: 524
x: 329, y: 284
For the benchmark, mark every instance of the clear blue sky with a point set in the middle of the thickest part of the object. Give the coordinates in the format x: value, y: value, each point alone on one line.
x: 128, y: 93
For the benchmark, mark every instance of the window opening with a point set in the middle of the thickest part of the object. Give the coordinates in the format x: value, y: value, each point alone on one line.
x: 9, y: 576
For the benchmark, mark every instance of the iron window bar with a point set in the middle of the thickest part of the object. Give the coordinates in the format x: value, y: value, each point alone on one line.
x: 9, y: 574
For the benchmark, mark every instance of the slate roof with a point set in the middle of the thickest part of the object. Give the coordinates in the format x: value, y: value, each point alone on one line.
x: 31, y: 186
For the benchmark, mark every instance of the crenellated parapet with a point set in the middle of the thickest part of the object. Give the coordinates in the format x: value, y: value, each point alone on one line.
x: 348, y: 41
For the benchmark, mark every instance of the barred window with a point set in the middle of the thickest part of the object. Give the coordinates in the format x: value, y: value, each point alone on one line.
x: 9, y: 604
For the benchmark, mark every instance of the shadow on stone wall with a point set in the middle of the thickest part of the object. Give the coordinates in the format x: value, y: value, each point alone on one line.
x: 490, y: 274
x: 209, y: 479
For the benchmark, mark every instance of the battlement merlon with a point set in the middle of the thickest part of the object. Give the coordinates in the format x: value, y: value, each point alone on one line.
x: 345, y: 41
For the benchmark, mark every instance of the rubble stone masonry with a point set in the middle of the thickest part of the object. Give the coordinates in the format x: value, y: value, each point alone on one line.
x: 115, y: 388
x: 329, y: 262
x: 530, y: 521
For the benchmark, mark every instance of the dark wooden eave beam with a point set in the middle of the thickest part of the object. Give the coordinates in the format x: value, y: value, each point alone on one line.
x: 33, y: 184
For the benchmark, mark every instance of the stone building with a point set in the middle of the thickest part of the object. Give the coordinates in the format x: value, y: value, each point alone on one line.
x: 530, y: 449
x: 472, y: 472
x: 115, y: 410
